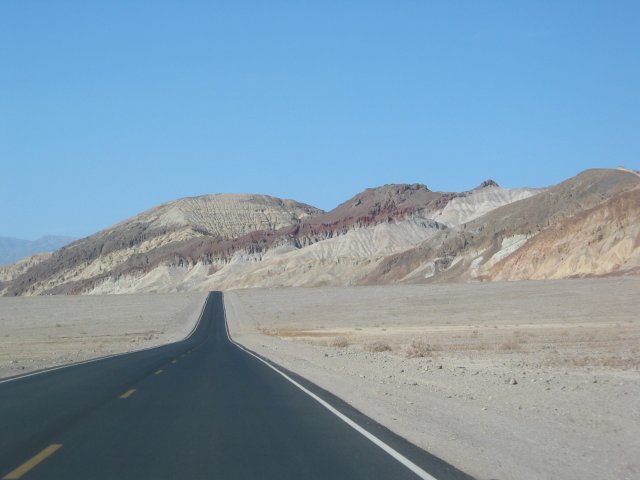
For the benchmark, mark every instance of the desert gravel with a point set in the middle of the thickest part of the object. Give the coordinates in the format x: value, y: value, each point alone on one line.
x: 41, y: 332
x: 522, y: 380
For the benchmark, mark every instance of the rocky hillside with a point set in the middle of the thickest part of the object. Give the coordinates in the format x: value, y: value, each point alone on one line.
x: 12, y: 271
x: 588, y: 225
x: 180, y: 233
x: 601, y: 240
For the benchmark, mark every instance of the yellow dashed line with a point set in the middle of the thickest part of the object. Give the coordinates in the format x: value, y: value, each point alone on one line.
x: 29, y: 464
x: 128, y: 393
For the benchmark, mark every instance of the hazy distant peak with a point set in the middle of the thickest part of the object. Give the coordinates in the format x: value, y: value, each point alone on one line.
x: 14, y: 249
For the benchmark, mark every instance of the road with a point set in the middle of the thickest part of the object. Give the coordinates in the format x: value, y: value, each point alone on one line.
x: 199, y: 408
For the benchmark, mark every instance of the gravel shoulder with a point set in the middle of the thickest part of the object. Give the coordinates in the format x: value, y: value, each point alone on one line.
x: 42, y: 332
x: 522, y: 380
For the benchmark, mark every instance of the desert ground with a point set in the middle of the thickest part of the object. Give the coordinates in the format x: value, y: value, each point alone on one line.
x: 521, y: 380
x: 41, y: 332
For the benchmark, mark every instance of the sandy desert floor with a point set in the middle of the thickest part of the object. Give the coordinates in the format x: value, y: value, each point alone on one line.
x: 523, y: 380
x: 40, y: 332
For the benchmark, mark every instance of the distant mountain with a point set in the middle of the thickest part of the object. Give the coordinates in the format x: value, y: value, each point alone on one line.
x: 588, y: 225
x: 14, y: 249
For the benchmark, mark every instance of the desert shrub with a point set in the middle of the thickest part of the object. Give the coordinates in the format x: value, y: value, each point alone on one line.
x: 378, y: 347
x: 419, y: 348
x: 511, y: 344
x: 340, y: 342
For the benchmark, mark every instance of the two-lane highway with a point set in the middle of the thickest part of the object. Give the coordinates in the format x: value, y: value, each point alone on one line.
x: 200, y: 408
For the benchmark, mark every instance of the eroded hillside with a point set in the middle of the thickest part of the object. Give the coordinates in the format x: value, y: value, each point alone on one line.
x: 587, y: 225
x: 486, y: 247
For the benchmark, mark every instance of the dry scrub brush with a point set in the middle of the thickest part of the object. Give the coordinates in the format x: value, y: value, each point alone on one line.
x: 511, y: 344
x: 420, y: 348
x: 378, y: 346
x: 340, y: 342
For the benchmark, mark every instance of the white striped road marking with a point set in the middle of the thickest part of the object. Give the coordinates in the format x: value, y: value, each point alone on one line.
x: 369, y: 436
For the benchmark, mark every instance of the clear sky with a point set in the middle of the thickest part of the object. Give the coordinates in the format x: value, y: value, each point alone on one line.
x: 108, y: 108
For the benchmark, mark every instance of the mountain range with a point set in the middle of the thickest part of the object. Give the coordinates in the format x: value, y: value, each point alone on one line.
x: 588, y: 225
x: 14, y: 249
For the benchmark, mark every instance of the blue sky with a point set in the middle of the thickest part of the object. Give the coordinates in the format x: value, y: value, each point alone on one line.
x: 109, y: 108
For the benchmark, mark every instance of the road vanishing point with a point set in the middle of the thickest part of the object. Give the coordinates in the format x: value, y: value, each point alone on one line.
x: 201, y: 408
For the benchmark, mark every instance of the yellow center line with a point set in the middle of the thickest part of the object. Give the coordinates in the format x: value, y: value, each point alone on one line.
x: 158, y: 372
x: 128, y: 393
x: 29, y: 464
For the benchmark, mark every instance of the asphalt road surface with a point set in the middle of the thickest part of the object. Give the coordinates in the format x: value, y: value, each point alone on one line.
x: 202, y: 408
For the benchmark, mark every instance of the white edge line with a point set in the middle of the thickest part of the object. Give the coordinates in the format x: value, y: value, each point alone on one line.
x: 60, y: 367
x: 375, y: 440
